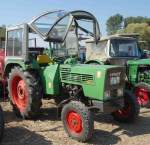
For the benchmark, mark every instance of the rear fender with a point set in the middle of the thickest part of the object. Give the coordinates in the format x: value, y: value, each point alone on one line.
x: 9, y: 66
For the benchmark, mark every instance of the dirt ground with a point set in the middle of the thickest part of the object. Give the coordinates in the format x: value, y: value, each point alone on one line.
x: 48, y: 130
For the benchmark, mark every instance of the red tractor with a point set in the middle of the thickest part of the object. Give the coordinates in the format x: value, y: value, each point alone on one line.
x: 2, y: 54
x: 3, y: 86
x: 3, y: 80
x: 1, y: 124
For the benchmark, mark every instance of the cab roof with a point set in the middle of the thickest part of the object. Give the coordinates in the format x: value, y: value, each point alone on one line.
x: 45, y: 24
x: 116, y: 36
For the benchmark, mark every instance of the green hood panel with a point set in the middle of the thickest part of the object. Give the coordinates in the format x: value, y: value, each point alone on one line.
x: 88, y: 67
x: 140, y: 61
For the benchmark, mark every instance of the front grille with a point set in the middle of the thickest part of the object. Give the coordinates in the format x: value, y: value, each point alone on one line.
x: 66, y: 75
x: 108, y: 85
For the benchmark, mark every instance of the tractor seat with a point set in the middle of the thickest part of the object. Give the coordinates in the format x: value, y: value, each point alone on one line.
x: 44, y: 59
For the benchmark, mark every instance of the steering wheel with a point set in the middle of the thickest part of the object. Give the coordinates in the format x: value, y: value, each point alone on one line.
x: 94, y: 62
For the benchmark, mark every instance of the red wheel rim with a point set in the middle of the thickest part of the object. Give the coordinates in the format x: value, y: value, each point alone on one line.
x: 19, y: 93
x: 125, y: 111
x: 142, y: 96
x: 74, y: 122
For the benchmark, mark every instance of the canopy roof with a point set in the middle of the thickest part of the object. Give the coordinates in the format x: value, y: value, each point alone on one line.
x: 54, y: 25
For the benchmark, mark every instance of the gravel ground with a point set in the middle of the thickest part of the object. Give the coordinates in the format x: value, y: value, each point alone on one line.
x: 48, y: 130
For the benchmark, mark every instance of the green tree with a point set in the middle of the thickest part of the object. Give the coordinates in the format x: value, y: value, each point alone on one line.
x: 138, y: 19
x: 143, y: 29
x: 114, y: 23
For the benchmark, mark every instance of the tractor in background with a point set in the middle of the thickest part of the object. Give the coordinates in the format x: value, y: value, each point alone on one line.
x: 42, y: 60
x: 2, y: 84
x: 2, y: 55
x: 124, y: 50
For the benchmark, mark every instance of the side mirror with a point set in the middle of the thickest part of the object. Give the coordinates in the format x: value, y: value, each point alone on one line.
x: 143, y: 54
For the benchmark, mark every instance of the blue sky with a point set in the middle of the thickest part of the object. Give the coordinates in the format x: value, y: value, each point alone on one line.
x: 18, y: 11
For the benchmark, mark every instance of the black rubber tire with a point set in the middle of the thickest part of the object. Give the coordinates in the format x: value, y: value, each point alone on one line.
x: 34, y: 90
x: 87, y: 120
x: 133, y: 114
x: 1, y: 124
x: 147, y: 87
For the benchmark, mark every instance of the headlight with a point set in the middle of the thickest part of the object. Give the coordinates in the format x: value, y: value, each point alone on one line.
x: 113, y: 93
x: 120, y: 92
x: 107, y: 94
x: 115, y: 78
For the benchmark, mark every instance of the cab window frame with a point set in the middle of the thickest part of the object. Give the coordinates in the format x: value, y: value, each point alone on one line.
x: 14, y: 43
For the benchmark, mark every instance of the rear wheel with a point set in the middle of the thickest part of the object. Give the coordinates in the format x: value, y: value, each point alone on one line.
x: 1, y: 124
x: 142, y: 92
x: 130, y: 111
x: 24, y: 92
x: 78, y: 121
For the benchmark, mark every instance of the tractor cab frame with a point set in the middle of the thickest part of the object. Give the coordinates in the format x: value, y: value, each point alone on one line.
x: 115, y: 50
x: 55, y: 28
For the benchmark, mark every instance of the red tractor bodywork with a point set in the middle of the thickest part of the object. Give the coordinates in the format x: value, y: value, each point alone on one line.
x: 2, y: 65
x: 2, y: 61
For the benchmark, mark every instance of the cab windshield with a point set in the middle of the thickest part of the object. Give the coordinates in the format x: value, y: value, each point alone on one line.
x: 54, y: 26
x: 124, y: 48
x: 45, y: 22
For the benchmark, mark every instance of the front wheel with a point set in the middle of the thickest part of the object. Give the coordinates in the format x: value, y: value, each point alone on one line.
x: 78, y: 121
x: 130, y: 111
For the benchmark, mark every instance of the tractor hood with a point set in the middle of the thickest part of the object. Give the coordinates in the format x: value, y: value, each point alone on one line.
x: 94, y: 79
x: 95, y: 71
x: 87, y: 68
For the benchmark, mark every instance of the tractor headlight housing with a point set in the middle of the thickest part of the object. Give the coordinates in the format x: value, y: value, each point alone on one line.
x: 113, y: 93
x: 120, y: 92
x: 107, y: 94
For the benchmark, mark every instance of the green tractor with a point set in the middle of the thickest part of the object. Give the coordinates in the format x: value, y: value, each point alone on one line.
x: 42, y: 60
x: 124, y: 50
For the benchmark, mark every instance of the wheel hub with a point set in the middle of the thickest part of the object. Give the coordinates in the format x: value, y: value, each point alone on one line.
x: 142, y: 96
x: 21, y: 89
x: 19, y: 93
x: 74, y: 122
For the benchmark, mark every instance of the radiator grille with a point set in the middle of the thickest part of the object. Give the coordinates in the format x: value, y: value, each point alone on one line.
x: 66, y: 75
